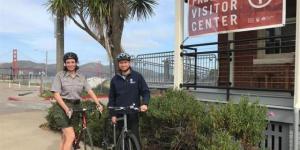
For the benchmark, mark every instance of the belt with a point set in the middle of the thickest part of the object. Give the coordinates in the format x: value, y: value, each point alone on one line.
x: 72, y: 101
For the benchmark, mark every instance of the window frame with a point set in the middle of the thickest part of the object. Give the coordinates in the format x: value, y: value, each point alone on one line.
x: 276, y: 58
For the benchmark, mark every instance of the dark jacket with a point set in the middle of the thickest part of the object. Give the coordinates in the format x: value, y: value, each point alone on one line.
x: 124, y: 91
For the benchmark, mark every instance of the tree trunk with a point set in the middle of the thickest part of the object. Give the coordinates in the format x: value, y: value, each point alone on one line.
x: 59, y: 34
x: 115, y: 30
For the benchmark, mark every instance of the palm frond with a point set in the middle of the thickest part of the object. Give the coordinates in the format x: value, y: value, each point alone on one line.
x: 64, y: 7
x: 98, y: 9
x: 141, y: 9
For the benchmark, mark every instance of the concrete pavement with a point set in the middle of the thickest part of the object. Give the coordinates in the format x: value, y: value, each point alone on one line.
x: 20, y: 118
x: 20, y: 131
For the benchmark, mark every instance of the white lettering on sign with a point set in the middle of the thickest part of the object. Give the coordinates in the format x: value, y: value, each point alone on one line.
x: 222, y: 16
x: 207, y: 16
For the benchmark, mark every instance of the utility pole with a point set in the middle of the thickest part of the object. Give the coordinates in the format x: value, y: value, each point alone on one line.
x: 59, y: 34
x: 297, y: 80
x: 178, y: 60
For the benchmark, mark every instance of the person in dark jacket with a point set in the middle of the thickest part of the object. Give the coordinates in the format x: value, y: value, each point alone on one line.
x: 126, y: 88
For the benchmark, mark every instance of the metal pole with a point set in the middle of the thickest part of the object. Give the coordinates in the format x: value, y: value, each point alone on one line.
x: 178, y: 60
x: 297, y: 80
x: 46, y: 64
x: 195, y: 69
x: 231, y: 79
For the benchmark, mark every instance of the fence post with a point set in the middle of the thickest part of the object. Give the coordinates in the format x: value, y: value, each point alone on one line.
x: 41, y: 85
x: 166, y: 70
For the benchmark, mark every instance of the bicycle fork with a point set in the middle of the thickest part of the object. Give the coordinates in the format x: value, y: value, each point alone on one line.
x: 125, y: 131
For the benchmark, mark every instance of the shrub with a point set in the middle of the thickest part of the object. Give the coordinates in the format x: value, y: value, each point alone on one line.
x: 176, y: 120
x: 245, y: 121
x: 95, y: 121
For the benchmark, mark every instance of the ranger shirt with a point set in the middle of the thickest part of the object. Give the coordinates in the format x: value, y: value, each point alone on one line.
x: 68, y: 87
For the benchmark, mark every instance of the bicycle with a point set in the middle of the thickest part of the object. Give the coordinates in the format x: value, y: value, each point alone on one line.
x: 87, y: 141
x: 126, y: 140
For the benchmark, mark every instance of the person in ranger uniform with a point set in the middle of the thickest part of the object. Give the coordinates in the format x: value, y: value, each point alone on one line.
x: 67, y: 87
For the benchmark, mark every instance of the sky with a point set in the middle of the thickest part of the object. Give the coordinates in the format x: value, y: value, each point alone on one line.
x: 26, y: 25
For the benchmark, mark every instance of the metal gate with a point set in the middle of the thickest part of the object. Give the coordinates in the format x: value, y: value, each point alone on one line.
x: 277, y: 137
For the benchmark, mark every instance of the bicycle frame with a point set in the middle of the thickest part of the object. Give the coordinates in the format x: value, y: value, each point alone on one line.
x: 83, y: 127
x: 124, y: 130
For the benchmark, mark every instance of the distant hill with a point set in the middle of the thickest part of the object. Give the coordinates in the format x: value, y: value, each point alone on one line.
x: 89, y: 69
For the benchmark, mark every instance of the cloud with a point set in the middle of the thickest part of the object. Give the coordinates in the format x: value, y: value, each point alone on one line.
x: 28, y: 25
x: 41, y: 43
x: 25, y: 16
x: 155, y: 33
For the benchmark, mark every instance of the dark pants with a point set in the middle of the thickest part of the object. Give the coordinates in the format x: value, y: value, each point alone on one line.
x: 132, y: 124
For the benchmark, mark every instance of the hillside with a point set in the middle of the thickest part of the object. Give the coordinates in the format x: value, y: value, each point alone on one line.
x: 90, y: 69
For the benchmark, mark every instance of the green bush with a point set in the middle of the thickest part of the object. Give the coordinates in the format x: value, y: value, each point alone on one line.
x: 245, y: 121
x: 95, y: 121
x: 47, y: 94
x: 178, y: 121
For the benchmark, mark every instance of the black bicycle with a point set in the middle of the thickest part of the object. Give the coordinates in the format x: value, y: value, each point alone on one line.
x: 126, y: 139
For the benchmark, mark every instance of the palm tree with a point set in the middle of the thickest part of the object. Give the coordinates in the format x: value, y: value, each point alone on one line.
x: 103, y: 20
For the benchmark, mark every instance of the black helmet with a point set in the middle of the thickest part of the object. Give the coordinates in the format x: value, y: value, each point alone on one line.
x: 70, y: 55
x: 123, y: 56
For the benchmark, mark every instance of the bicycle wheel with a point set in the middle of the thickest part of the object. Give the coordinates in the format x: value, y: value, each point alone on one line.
x: 86, y: 142
x: 130, y: 142
x: 119, y: 145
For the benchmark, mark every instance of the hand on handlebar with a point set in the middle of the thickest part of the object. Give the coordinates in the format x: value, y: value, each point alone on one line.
x: 69, y: 113
x: 99, y: 108
x: 113, y: 119
x: 143, y: 108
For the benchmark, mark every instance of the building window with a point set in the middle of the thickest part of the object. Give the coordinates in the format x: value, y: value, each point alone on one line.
x: 281, y: 44
x: 288, y: 29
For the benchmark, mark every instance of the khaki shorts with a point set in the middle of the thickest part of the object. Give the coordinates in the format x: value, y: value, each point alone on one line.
x: 62, y: 120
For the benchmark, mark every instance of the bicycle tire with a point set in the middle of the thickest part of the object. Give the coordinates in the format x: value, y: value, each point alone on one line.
x: 131, y: 142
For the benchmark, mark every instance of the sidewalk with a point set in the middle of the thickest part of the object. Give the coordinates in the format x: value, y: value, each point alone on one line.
x: 20, y: 118
x: 20, y: 131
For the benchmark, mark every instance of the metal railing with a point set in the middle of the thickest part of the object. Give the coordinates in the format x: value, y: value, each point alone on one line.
x: 242, y: 68
x: 157, y: 69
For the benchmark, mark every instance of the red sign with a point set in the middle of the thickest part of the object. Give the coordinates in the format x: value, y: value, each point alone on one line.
x: 221, y: 16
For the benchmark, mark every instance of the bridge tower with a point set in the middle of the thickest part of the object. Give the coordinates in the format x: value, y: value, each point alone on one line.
x: 15, y: 67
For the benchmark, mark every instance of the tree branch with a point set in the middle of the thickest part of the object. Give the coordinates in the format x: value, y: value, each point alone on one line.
x: 88, y: 29
x: 77, y: 23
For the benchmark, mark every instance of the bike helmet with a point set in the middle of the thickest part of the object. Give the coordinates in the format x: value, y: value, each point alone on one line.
x: 123, y: 56
x: 70, y: 55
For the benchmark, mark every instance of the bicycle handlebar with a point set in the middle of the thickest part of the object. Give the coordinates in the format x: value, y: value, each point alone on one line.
x: 131, y: 107
x: 83, y: 109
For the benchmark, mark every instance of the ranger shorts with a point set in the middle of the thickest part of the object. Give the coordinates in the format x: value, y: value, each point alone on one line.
x: 62, y: 120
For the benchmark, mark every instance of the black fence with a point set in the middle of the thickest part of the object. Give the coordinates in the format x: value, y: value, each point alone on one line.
x: 265, y: 64
x: 157, y: 69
